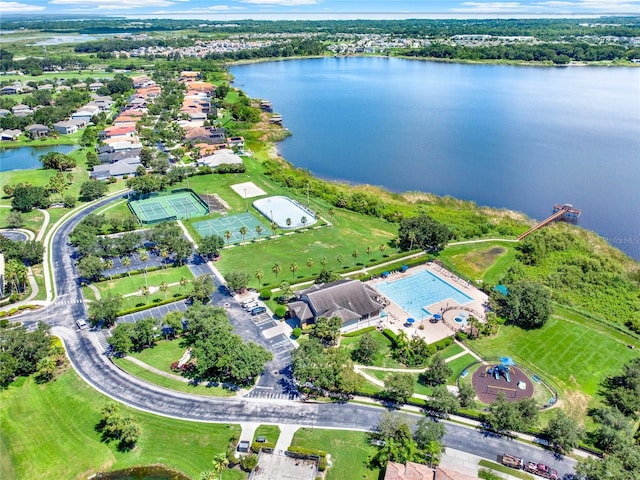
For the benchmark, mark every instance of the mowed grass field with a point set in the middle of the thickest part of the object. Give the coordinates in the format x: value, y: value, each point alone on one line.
x: 48, y: 432
x: 570, y: 355
x: 350, y: 452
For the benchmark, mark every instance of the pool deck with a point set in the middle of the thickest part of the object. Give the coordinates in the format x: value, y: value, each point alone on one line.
x: 449, y: 309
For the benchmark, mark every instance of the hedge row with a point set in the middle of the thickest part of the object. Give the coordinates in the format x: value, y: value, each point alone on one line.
x: 322, y: 464
x: 148, y: 306
x: 19, y: 309
x: 357, y: 333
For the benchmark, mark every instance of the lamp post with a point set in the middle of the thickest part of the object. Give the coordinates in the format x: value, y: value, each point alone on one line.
x: 246, y: 205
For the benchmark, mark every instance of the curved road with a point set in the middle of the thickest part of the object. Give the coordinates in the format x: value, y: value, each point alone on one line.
x: 97, y: 370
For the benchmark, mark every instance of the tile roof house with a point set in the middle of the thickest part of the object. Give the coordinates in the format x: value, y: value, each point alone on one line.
x: 209, y: 135
x: 127, y: 166
x: 37, y: 130
x: 66, y: 127
x: 350, y: 300
x: 10, y: 134
x: 415, y: 471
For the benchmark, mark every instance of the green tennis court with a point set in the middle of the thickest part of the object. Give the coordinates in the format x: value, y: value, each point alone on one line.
x: 232, y: 224
x: 179, y: 205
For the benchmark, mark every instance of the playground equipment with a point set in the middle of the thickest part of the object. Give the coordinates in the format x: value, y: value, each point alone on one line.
x: 498, y: 370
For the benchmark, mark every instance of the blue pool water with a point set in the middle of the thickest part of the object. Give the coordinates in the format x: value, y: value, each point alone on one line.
x: 419, y: 290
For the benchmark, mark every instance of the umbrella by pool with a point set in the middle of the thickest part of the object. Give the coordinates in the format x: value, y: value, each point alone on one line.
x: 411, y: 321
x: 437, y: 316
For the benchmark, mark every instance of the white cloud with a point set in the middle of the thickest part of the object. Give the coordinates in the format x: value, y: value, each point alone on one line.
x: 10, y: 7
x: 115, y: 4
x: 491, y: 7
x: 282, y: 3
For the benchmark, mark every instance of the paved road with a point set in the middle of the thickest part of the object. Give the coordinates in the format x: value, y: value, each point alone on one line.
x: 95, y: 368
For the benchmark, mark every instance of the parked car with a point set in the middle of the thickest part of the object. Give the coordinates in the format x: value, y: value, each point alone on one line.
x: 258, y: 310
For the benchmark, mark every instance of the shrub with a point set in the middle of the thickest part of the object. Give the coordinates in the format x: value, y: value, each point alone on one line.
x: 281, y: 311
x: 296, y: 333
x: 265, y: 294
x: 357, y: 333
x: 249, y: 462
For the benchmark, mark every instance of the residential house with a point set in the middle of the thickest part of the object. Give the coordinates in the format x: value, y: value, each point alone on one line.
x: 209, y: 135
x: 79, y: 86
x: 189, y: 76
x: 47, y: 87
x: 112, y: 156
x: 85, y: 113
x: 4, y: 112
x: 119, y: 130
x: 236, y: 142
x: 95, y: 86
x: 416, y: 471
x: 142, y: 81
x: 351, y: 300
x: 123, y: 143
x: 221, y: 157
x: 66, y: 127
x: 37, y: 130
x: 201, y: 87
x: 9, y: 90
x: 10, y: 134
x: 117, y: 169
x: 21, y: 110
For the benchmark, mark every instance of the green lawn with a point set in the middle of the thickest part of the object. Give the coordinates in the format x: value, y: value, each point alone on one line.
x: 450, y: 351
x: 124, y: 285
x: 485, y: 261
x: 383, y: 358
x: 31, y: 221
x: 171, y: 384
x: 458, y: 365
x: 350, y: 452
x: 48, y: 432
x: 570, y: 355
x: 162, y: 354
x: 271, y: 432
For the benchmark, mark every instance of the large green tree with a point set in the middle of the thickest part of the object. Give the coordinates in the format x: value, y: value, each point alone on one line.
x: 437, y: 373
x: 563, y: 432
x: 398, y: 387
x: 424, y: 232
x: 327, y: 330
x: 105, y: 310
x: 210, y: 246
x: 92, y: 190
x: 26, y: 198
x: 366, y: 349
x: 201, y: 288
x: 57, y: 161
x: 527, y: 304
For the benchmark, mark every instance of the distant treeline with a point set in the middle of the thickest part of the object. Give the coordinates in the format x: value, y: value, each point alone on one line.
x: 544, y: 29
x: 123, y: 44
x: 294, y: 47
x: 559, y: 53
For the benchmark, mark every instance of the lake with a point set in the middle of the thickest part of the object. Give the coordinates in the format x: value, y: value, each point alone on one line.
x: 26, y: 158
x: 516, y: 137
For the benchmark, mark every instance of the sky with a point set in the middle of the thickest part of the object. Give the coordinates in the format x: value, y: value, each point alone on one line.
x: 323, y: 9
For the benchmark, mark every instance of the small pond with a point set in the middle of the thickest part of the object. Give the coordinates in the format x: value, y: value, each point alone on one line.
x: 27, y: 158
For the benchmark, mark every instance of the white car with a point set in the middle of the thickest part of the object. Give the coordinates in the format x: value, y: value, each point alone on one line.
x: 81, y: 324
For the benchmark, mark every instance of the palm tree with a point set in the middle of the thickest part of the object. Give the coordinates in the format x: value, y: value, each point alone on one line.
x: 324, y: 261
x: 294, y: 268
x: 259, y: 274
x: 145, y: 291
x: 219, y: 462
x: 144, y: 256
x: 382, y: 248
x: 397, y: 242
x: 243, y: 231
x: 355, y: 254
x: 303, y: 220
x: 369, y: 250
x: 227, y: 235
x: 310, y: 264
x: 126, y: 263
x: 412, y: 238
x: 276, y: 269
x: 163, y: 288
x: 108, y: 265
x: 164, y: 253
x: 340, y: 259
x: 259, y: 230
x: 274, y: 228
x: 183, y: 283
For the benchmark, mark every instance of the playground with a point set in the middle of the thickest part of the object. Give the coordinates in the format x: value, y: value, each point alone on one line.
x: 233, y: 224
x: 177, y: 205
x: 491, y: 380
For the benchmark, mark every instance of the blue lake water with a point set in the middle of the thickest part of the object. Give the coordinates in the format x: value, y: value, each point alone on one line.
x: 521, y: 138
x: 25, y: 158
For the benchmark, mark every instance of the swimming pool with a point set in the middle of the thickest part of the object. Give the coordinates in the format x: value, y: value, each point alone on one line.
x: 416, y: 292
x: 285, y: 212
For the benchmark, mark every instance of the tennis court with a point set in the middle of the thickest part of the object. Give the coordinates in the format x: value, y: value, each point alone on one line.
x: 232, y: 224
x: 177, y: 205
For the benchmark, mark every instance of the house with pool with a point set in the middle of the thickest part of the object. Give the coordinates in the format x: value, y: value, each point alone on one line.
x: 355, y: 303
